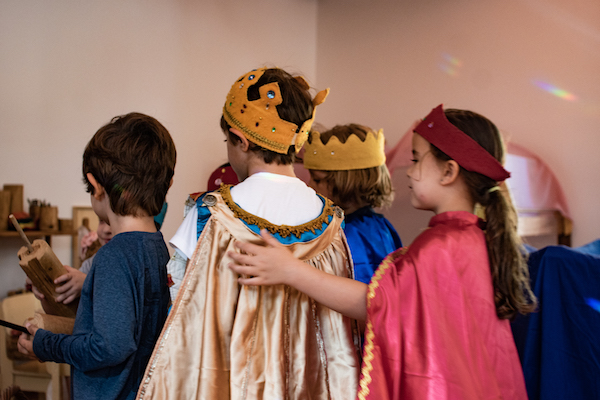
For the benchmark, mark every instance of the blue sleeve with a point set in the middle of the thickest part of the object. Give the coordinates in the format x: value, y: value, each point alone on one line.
x: 106, y: 321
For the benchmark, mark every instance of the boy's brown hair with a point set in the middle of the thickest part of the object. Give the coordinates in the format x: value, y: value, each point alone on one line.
x: 133, y: 158
x: 357, y: 187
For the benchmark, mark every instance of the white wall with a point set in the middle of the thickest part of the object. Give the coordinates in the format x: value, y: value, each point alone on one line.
x: 68, y: 67
x: 387, y: 65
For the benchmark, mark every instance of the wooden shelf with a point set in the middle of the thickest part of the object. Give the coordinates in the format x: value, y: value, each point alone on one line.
x: 46, y: 235
x: 545, y: 222
x: 36, y: 234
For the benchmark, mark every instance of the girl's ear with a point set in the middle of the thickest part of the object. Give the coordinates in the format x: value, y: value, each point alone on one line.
x: 450, y: 172
x: 245, y: 143
x: 98, y: 188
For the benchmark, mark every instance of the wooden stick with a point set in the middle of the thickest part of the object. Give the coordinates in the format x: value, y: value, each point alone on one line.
x: 23, y: 236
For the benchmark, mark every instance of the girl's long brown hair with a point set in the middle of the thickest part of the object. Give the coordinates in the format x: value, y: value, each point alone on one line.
x: 510, y: 275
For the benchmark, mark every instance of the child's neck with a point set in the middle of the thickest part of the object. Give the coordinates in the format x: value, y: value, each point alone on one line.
x: 454, y: 197
x: 350, y: 208
x: 455, y: 204
x: 287, y: 170
x: 129, y: 223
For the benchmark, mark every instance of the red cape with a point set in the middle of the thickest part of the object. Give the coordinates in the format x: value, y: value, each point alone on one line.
x: 432, y: 330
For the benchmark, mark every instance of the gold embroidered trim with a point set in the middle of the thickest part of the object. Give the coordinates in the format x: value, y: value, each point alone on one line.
x: 283, y: 230
x: 367, y: 367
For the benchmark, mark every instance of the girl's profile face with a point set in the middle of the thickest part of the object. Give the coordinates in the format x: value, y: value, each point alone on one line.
x: 424, y: 175
x: 318, y: 183
x: 104, y: 232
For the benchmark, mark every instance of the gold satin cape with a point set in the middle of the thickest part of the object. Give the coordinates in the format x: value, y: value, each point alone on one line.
x: 222, y: 340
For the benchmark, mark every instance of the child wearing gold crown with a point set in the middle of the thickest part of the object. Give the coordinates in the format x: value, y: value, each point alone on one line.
x: 437, y: 313
x: 227, y: 341
x: 347, y: 165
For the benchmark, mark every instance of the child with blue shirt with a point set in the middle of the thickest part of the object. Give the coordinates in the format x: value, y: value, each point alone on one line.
x: 347, y: 165
x: 128, y: 167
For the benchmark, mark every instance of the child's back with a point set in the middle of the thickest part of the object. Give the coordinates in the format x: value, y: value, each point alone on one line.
x: 233, y: 341
x: 128, y: 167
x: 124, y: 303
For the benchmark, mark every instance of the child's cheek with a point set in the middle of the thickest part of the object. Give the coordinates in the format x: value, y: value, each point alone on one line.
x: 420, y: 197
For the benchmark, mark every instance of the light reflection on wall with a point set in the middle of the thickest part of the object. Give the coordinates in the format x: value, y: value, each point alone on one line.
x: 450, y: 65
x: 563, y: 94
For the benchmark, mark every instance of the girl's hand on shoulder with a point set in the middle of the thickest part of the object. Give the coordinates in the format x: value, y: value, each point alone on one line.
x: 271, y: 264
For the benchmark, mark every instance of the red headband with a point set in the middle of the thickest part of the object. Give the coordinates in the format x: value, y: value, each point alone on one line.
x: 438, y: 131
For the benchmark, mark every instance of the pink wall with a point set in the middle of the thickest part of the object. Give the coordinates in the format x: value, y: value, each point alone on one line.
x: 390, y: 62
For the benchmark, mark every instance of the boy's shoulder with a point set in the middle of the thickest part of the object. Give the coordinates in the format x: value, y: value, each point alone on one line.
x: 127, y: 241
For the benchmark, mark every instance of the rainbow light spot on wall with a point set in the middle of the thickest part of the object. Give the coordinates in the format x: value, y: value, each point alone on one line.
x: 450, y: 65
x: 595, y: 304
x: 563, y: 94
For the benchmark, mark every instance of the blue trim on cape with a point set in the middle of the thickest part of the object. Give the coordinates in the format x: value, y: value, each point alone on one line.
x: 204, y: 215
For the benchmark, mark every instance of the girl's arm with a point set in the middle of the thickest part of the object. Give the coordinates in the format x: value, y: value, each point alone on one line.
x: 274, y: 264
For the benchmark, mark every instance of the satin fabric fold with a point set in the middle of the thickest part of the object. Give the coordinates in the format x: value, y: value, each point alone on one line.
x: 432, y: 330
x: 226, y: 341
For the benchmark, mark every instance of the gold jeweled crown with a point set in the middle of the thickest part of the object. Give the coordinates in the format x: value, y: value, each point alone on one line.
x: 259, y: 120
x: 338, y: 156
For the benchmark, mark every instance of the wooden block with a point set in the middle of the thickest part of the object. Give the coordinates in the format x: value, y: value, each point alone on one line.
x: 16, y: 202
x: 5, y: 197
x: 43, y: 267
x: 65, y: 225
x: 48, y: 218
